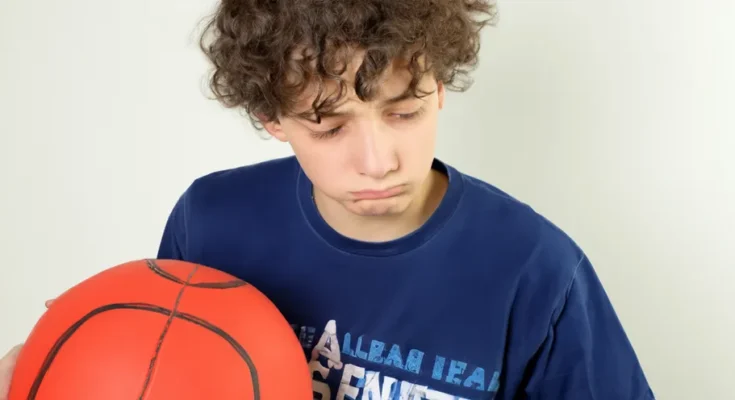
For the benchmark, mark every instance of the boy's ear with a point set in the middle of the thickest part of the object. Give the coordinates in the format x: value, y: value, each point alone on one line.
x: 273, y: 127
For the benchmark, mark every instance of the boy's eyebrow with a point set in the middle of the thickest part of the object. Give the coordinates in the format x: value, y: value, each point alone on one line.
x: 397, y: 99
x: 385, y: 102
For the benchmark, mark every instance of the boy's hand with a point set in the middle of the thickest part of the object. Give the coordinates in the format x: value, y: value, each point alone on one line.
x: 7, y: 365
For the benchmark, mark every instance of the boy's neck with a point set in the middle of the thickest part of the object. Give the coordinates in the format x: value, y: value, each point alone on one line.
x: 382, y: 229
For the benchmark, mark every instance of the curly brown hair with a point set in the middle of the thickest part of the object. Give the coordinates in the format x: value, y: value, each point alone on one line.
x: 266, y: 52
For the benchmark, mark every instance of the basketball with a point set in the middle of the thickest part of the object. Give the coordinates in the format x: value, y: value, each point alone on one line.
x: 161, y: 329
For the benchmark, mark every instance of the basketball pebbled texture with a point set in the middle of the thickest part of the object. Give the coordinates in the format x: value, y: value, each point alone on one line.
x: 160, y: 330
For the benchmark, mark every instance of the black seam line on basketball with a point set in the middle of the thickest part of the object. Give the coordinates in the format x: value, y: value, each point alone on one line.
x: 150, y: 308
x: 152, y: 365
x: 204, y: 285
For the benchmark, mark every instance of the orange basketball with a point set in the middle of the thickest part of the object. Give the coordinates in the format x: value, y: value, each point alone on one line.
x: 162, y: 329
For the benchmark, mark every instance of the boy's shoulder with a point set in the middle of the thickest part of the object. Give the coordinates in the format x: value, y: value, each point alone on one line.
x: 268, y: 173
x: 491, y: 210
x: 485, y: 210
x: 522, y: 247
x: 243, y: 186
x: 516, y: 224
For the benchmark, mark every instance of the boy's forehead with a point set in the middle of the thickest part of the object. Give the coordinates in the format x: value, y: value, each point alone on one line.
x: 391, y: 87
x: 392, y: 83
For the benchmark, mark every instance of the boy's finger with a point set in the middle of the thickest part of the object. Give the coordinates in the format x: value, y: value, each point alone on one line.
x: 7, y: 364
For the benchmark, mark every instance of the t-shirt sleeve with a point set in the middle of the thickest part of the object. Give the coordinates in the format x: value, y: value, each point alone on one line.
x: 174, y: 238
x: 586, y: 354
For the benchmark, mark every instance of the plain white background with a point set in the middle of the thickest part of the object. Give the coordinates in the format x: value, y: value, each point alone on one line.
x: 613, y: 118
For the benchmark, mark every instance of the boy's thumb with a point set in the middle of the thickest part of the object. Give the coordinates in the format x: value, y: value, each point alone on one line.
x: 7, y: 365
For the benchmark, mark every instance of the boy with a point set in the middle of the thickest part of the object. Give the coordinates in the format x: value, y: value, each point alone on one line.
x: 403, y: 277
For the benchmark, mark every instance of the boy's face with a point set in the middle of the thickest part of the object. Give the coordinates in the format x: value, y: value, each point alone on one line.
x: 373, y: 158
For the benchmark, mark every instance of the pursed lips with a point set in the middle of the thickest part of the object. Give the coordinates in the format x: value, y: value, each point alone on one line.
x: 378, y: 194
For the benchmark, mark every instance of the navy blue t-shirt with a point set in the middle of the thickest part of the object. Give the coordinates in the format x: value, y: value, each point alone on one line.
x: 487, y: 300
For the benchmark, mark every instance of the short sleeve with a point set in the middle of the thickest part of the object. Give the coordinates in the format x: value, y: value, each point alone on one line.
x: 586, y: 354
x: 174, y: 238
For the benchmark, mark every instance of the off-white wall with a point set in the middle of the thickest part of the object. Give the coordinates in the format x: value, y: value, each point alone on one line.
x: 612, y: 118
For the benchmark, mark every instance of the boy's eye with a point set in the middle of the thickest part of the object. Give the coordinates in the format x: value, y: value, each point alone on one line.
x: 335, y: 131
x: 327, y: 134
x: 411, y: 115
x: 406, y: 116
